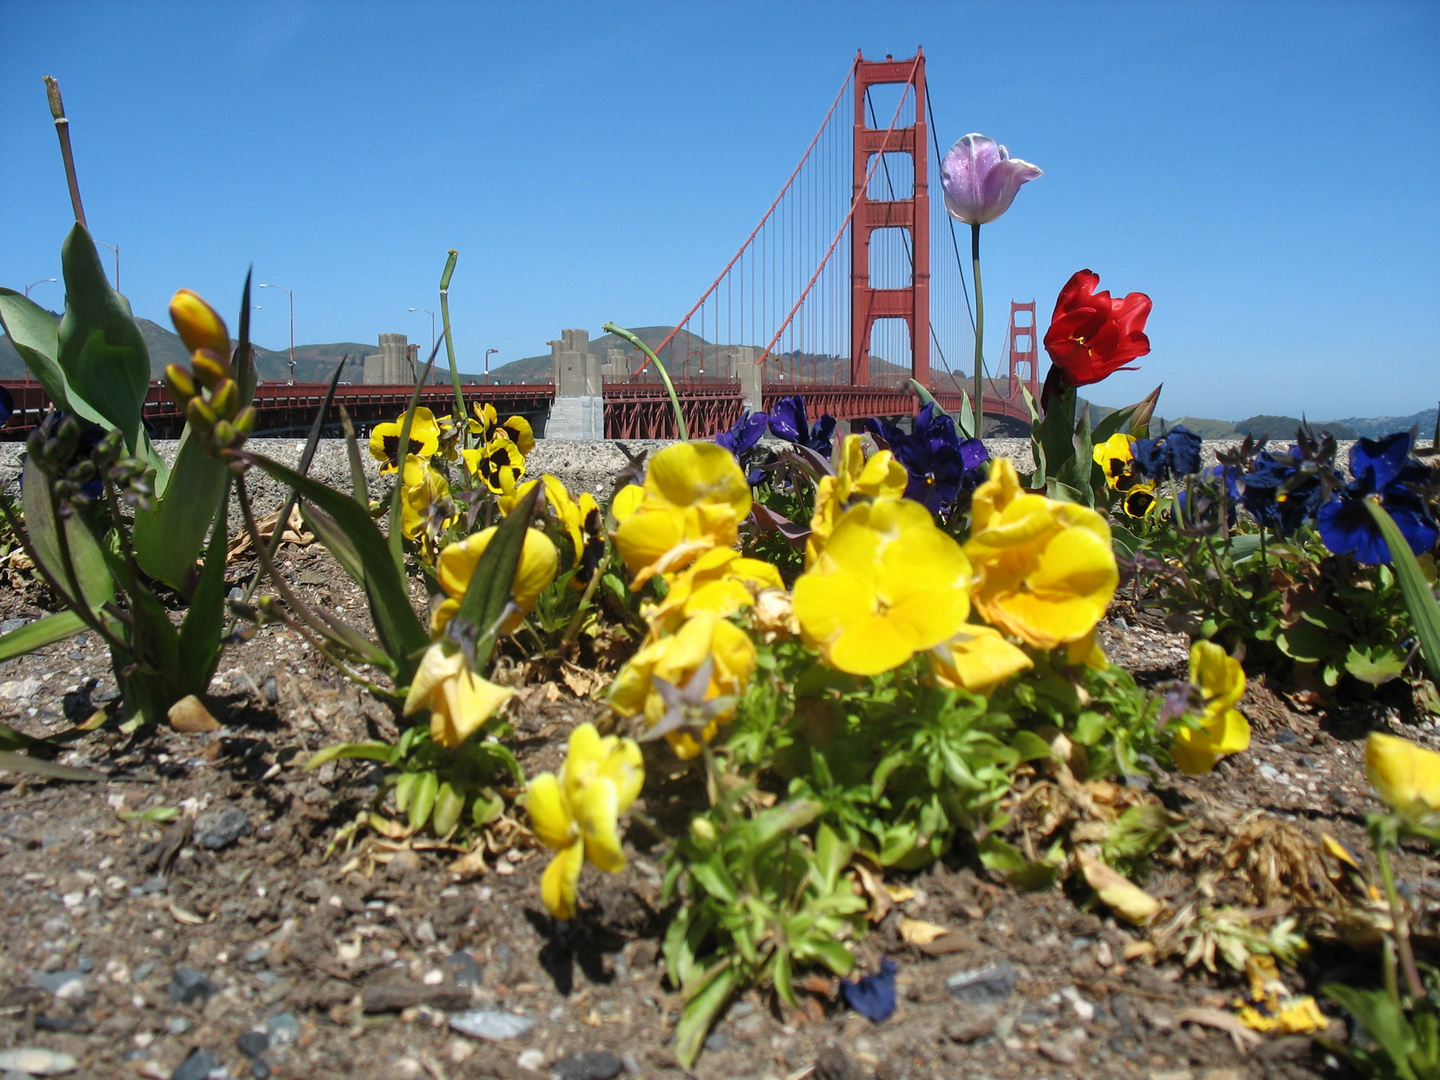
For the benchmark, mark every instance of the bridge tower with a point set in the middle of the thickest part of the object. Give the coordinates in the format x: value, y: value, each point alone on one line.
x: 1024, y: 349
x: 911, y: 303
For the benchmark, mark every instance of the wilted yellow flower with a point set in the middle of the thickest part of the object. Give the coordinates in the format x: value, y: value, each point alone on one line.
x: 424, y: 439
x: 1046, y: 569
x: 879, y: 477
x: 456, y: 565
x: 459, y: 700
x: 720, y: 582
x: 449, y: 437
x: 486, y: 424
x: 1402, y: 773
x: 496, y: 464
x: 1222, y: 730
x: 425, y: 500
x: 888, y: 584
x: 578, y: 812
x: 198, y: 324
x: 675, y: 659
x: 693, y: 499
x: 978, y: 659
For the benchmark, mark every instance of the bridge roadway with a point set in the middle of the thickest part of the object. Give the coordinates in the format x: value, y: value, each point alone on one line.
x: 632, y: 410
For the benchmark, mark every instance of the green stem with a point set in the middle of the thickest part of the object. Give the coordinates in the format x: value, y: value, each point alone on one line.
x: 72, y: 579
x: 620, y: 331
x: 1401, y: 922
x: 979, y: 332
x: 450, y: 345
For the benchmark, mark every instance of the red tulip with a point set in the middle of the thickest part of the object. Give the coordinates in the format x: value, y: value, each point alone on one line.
x: 1092, y: 335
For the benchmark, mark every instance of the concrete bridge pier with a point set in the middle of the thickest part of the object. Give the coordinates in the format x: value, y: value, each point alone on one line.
x: 578, y: 411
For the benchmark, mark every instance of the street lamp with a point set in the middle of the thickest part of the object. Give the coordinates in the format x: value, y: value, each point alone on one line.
x: 432, y: 325
x: 34, y: 283
x: 115, y: 248
x: 290, y: 294
x: 487, y: 364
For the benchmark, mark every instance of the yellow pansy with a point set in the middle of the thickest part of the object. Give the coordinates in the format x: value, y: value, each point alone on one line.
x: 694, y: 474
x: 449, y: 437
x: 1222, y: 729
x: 1114, y: 456
x: 888, y: 584
x: 878, y: 477
x: 425, y: 500
x: 675, y: 659
x: 579, y: 518
x: 424, y: 439
x: 456, y: 565
x: 978, y: 659
x: 486, y: 424
x: 1139, y: 500
x: 721, y: 582
x: 496, y: 464
x: 459, y: 700
x: 1405, y: 776
x: 626, y: 501
x: 1087, y: 651
x: 578, y: 812
x: 1046, y: 569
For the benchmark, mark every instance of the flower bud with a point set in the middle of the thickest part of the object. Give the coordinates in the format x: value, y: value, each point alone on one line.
x: 225, y: 434
x: 210, y: 370
x: 35, y: 445
x: 201, y: 416
x: 703, y: 830
x: 198, y: 324
x: 225, y: 398
x: 245, y: 420
x: 82, y: 472
x: 180, y: 384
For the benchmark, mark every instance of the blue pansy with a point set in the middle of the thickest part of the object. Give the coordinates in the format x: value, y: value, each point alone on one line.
x: 1282, y: 491
x: 942, y: 468
x: 1381, y: 468
x: 788, y: 422
x: 873, y: 996
x: 741, y: 441
x: 1176, y: 453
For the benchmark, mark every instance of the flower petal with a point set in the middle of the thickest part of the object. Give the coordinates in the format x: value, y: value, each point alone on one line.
x: 561, y: 880
x: 549, y: 810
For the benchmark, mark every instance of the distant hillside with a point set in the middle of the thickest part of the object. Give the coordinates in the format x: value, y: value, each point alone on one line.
x: 1280, y: 428
x: 1373, y: 427
x: 1205, y: 427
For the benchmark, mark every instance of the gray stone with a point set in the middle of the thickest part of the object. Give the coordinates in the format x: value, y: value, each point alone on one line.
x: 260, y: 1069
x: 36, y: 1061
x: 972, y: 1025
x: 389, y: 993
x: 463, y: 968
x: 252, y: 1043
x: 197, y: 1066
x: 142, y: 971
x: 283, y: 1029
x: 63, y: 984
x: 178, y: 1025
x: 980, y: 986
x: 216, y: 829
x: 593, y: 1065
x: 22, y: 690
x: 188, y: 986
x: 491, y: 1024
x: 10, y: 625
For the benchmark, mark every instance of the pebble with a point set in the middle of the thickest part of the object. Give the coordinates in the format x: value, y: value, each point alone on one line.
x: 403, y: 864
x: 20, y: 689
x: 270, y: 690
x: 260, y: 1069
x: 197, y: 1066
x: 972, y: 1026
x: 178, y: 1025
x: 142, y: 972
x: 987, y: 985
x: 491, y: 1024
x: 1083, y: 1009
x: 189, y: 715
x: 65, y: 985
x: 216, y: 829
x: 36, y: 1061
x: 593, y: 1065
x: 283, y: 1029
x: 463, y: 968
x: 252, y: 1043
x: 1058, y: 1052
x: 531, y: 1060
x: 188, y: 986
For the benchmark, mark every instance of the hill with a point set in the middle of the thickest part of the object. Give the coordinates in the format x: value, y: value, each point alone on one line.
x: 1280, y: 428
x: 1373, y: 427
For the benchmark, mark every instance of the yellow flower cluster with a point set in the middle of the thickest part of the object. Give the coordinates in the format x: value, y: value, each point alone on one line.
x: 207, y: 392
x: 1116, y: 457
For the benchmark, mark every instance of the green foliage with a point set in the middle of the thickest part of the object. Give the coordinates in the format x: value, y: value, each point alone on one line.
x: 1419, y: 597
x: 1402, y: 1044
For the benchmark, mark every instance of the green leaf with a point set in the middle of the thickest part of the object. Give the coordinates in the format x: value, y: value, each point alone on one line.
x: 1307, y: 642
x: 1419, y: 600
x: 422, y: 799
x: 369, y: 751
x: 1382, y: 1019
x: 93, y: 574
x: 1375, y: 666
x: 715, y: 880
x: 1244, y: 546
x: 831, y: 856
x: 488, y: 593
x: 102, y: 350
x: 400, y: 631
x: 158, y: 814
x: 827, y: 951
x: 1030, y: 746
x: 168, y: 538
x: 199, y: 644
x: 448, y: 804
x: 35, y: 335
x: 43, y: 631
x: 11, y: 762
x: 700, y: 1012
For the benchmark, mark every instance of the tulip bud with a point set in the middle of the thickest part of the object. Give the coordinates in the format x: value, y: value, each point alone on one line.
x: 202, y: 417
x: 82, y: 472
x: 180, y: 384
x: 245, y: 420
x: 198, y: 324
x: 703, y: 830
x: 225, y: 398
x: 210, y: 370
x: 224, y: 434
x: 35, y: 445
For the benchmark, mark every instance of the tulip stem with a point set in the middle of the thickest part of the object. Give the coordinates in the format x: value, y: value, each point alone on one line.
x: 1401, y: 922
x: 979, y: 332
x: 450, y: 350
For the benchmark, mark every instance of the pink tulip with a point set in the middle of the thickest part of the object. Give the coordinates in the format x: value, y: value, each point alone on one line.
x: 981, y: 178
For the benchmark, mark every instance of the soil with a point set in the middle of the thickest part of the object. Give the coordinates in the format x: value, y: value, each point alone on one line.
x: 138, y: 950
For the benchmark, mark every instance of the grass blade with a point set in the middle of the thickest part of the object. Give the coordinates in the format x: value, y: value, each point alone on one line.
x: 35, y: 766
x: 41, y: 632
x: 1424, y: 608
x: 357, y: 469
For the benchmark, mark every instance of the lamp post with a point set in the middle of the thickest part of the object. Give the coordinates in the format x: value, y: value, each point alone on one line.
x: 34, y: 283
x: 291, y: 295
x: 487, y: 364
x: 432, y: 325
x: 116, y: 249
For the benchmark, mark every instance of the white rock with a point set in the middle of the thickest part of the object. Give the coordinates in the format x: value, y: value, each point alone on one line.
x: 37, y: 1061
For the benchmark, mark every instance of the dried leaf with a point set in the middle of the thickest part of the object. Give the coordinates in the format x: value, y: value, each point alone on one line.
x: 1244, y: 1039
x: 471, y: 864
x: 1117, y: 892
x: 189, y: 918
x: 918, y: 932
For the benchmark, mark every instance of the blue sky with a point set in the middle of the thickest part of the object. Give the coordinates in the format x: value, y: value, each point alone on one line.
x: 1267, y: 172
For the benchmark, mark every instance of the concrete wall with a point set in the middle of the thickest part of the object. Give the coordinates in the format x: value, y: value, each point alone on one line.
x: 391, y: 364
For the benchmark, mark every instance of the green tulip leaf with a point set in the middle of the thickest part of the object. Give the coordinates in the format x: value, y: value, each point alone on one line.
x: 1419, y: 600
x: 43, y: 631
